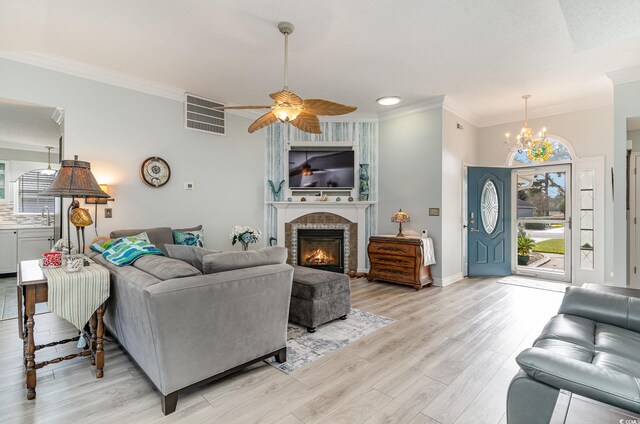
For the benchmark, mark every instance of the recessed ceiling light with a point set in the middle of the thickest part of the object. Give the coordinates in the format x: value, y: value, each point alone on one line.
x: 388, y: 100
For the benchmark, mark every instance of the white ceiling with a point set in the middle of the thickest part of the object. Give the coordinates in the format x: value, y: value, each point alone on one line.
x: 482, y: 54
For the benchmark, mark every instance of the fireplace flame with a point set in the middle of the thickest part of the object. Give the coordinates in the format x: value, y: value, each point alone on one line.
x: 319, y: 257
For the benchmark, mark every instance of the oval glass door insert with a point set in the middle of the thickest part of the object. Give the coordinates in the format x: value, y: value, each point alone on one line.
x: 489, y: 206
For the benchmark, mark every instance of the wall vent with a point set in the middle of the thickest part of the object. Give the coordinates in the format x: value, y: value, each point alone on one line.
x: 200, y: 115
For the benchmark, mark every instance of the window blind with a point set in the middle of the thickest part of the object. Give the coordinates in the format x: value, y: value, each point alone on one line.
x: 30, y: 185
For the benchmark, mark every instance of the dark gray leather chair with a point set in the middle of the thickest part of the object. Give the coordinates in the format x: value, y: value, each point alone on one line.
x: 591, y: 348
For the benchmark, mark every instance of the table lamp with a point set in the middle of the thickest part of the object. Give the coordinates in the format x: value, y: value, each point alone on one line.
x: 400, y: 217
x: 74, y: 180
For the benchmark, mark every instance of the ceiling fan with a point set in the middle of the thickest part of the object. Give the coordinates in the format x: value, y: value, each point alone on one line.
x: 291, y: 108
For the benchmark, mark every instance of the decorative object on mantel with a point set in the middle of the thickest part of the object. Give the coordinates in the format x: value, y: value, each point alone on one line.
x: 155, y: 172
x: 338, y: 199
x: 322, y: 198
x: 363, y: 192
x: 303, y: 199
x: 74, y: 179
x: 350, y: 199
x: 289, y: 107
x: 244, y: 235
x: 400, y: 217
x: 276, y: 192
x: 289, y: 199
x: 538, y: 149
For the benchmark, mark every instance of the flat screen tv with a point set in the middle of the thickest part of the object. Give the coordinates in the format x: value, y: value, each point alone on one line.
x: 321, y: 169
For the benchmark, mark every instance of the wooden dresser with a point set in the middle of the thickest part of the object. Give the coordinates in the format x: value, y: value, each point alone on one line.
x: 398, y: 260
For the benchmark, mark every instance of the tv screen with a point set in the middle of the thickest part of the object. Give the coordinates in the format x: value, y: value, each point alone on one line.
x: 321, y: 169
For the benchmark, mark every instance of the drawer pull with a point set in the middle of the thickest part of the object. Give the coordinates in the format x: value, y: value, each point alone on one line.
x: 396, y: 271
x: 393, y: 260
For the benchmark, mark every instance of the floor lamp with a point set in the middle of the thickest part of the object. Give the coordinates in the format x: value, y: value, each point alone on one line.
x: 74, y: 180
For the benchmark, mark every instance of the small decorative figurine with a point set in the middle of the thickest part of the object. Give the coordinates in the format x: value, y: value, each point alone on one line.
x: 338, y: 199
x: 303, y: 199
x: 350, y: 199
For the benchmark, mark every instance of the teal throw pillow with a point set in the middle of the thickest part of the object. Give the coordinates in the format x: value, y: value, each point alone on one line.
x: 189, y: 238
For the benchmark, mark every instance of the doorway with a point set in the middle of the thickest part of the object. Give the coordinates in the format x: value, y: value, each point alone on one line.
x: 541, y: 226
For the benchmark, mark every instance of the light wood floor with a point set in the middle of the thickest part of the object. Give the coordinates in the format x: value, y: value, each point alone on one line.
x: 447, y: 359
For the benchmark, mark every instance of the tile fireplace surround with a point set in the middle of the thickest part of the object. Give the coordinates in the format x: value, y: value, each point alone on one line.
x: 348, y: 216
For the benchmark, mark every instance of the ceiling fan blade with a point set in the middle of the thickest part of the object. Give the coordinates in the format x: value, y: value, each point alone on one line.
x: 263, y: 121
x: 286, y: 96
x: 327, y: 108
x: 244, y: 107
x: 307, y: 122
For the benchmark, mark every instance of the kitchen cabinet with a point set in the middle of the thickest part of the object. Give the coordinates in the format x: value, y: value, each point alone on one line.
x: 8, y: 252
x: 33, y: 242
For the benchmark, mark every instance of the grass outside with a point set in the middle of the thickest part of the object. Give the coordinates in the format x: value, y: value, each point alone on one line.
x: 550, y: 246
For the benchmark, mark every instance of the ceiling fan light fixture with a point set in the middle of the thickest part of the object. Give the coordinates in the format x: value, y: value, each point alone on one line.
x: 389, y: 100
x: 286, y: 113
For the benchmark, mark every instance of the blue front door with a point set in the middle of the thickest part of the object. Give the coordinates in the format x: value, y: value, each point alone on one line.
x: 489, y: 221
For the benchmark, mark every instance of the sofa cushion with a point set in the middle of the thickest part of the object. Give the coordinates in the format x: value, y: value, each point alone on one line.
x: 570, y: 328
x: 157, y: 236
x: 311, y: 284
x: 192, y: 255
x: 165, y: 268
x: 225, y: 261
x: 616, y: 340
x: 189, y: 238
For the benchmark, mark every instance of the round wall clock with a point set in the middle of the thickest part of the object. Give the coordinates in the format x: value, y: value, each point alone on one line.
x: 155, y: 171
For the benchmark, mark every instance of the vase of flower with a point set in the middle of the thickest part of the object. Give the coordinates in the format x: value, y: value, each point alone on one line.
x: 244, y: 235
x: 363, y: 192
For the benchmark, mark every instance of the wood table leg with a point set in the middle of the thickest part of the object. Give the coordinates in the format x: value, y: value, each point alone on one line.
x: 99, y: 343
x: 30, y: 353
x: 92, y: 342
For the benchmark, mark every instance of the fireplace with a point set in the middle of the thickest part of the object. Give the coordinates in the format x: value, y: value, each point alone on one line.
x: 322, y: 249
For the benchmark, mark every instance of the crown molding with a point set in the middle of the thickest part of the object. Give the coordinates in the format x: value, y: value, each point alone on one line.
x: 95, y: 73
x: 459, y: 110
x: 11, y: 145
x: 398, y: 112
x: 624, y: 76
x: 572, y: 106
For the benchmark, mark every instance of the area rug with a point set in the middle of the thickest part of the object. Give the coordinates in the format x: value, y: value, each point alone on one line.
x: 303, y: 348
x: 533, y: 283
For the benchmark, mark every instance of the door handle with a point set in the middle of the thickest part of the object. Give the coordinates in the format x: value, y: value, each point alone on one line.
x: 471, y: 229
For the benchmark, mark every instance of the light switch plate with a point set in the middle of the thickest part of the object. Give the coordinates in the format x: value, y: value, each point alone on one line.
x: 188, y: 186
x: 108, y: 213
x: 434, y: 211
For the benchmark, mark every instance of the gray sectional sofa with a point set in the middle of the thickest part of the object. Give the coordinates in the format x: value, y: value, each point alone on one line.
x: 184, y: 327
x: 591, y: 348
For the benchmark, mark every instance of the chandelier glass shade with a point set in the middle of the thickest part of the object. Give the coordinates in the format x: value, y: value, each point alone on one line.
x: 539, y: 148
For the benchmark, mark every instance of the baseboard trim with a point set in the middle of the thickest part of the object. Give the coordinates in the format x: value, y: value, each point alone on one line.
x: 443, y: 282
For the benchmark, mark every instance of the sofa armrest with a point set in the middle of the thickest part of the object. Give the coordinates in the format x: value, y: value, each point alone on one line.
x: 615, y: 309
x: 612, y: 387
x: 207, y: 324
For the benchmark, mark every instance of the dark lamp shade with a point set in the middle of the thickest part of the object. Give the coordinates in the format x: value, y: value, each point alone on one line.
x: 74, y: 179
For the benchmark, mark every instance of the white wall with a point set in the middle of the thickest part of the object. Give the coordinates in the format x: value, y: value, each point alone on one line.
x: 626, y: 105
x: 458, y: 147
x: 26, y: 155
x: 410, y: 174
x: 634, y: 136
x: 116, y: 129
x: 590, y: 132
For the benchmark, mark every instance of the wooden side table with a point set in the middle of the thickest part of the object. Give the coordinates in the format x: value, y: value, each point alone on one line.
x: 398, y: 260
x: 32, y: 289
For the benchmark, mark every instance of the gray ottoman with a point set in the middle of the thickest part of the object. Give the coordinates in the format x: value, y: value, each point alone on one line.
x: 318, y: 297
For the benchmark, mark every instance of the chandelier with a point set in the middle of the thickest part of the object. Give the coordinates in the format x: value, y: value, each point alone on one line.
x: 538, y: 149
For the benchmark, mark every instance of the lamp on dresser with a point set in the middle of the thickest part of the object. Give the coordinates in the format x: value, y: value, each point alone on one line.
x: 74, y: 180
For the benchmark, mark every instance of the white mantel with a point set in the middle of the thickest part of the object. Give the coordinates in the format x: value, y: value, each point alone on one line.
x: 353, y: 211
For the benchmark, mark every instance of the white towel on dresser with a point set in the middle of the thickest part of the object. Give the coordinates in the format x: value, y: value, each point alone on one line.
x: 428, y: 252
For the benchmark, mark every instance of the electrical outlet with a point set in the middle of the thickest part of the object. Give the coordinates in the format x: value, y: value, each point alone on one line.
x: 108, y: 213
x: 434, y: 211
x: 188, y: 186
